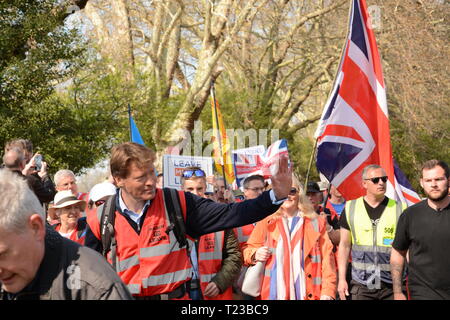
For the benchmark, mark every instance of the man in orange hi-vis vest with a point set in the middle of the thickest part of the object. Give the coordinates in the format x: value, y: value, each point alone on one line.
x: 216, y: 258
x: 146, y: 249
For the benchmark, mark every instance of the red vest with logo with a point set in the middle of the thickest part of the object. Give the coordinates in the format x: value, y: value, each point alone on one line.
x: 149, y: 263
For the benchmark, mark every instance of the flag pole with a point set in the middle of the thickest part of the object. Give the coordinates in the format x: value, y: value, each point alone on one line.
x: 129, y: 121
x: 309, y: 166
x: 329, y: 94
x: 219, y: 137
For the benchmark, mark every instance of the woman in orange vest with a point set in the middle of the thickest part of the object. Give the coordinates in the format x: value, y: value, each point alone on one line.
x: 68, y: 208
x: 294, y: 244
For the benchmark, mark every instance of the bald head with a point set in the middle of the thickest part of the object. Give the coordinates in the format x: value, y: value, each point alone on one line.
x: 14, y: 159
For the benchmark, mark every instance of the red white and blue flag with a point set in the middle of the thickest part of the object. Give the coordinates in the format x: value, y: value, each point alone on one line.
x: 403, y: 188
x: 263, y: 163
x: 354, y: 128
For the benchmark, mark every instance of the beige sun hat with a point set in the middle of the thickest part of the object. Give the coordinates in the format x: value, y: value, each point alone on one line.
x: 64, y: 199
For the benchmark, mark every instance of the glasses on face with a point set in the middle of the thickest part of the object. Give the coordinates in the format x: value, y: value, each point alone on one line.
x: 377, y: 179
x: 98, y: 203
x: 293, y: 191
x: 191, y: 173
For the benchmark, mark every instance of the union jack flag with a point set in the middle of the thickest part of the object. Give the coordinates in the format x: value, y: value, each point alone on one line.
x: 265, y: 163
x: 354, y: 128
x: 403, y: 188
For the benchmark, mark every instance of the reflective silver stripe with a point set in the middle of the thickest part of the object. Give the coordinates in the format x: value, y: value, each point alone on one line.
x: 380, y: 249
x: 127, y: 263
x: 205, y: 256
x: 351, y: 219
x: 267, y: 272
x: 370, y: 266
x: 217, y: 253
x: 316, y: 259
x: 317, y: 281
x: 315, y: 225
x: 207, y: 277
x: 156, y: 251
x: 399, y: 210
x: 134, y: 288
x: 240, y: 234
x: 167, y: 278
x: 99, y: 213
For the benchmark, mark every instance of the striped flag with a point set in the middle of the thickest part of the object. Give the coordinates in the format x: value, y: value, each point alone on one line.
x: 263, y: 163
x: 404, y: 188
x: 222, y: 149
x: 354, y: 128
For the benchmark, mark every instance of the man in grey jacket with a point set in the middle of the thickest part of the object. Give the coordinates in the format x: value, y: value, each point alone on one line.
x: 37, y: 263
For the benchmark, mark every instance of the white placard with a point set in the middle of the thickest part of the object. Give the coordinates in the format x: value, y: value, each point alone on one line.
x: 173, y: 165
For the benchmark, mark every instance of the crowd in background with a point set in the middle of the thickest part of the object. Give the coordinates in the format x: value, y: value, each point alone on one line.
x: 312, y: 243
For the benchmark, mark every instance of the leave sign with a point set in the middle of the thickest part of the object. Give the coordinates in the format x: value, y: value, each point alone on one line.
x: 174, y: 165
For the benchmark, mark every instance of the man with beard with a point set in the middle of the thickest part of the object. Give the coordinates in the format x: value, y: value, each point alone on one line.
x: 424, y: 230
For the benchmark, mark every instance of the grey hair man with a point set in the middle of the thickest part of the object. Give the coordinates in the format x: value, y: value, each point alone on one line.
x: 37, y: 263
x: 65, y: 180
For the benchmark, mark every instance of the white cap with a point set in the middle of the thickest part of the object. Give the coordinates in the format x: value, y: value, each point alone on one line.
x: 101, y: 190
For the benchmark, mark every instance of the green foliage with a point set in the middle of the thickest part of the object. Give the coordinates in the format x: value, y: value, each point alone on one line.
x: 38, y: 55
x: 412, y: 151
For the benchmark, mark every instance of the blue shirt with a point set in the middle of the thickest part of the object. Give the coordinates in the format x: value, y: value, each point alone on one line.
x: 338, y: 207
x: 136, y: 217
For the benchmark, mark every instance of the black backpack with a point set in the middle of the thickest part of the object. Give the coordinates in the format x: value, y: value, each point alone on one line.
x: 172, y: 203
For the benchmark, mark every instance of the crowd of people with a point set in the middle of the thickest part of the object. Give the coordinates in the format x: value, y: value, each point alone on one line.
x: 131, y: 238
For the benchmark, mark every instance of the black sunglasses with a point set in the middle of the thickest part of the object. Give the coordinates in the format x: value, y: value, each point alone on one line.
x: 196, y: 173
x: 293, y: 191
x: 377, y: 179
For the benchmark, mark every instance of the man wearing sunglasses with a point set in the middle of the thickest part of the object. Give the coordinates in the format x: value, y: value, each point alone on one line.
x: 148, y: 256
x: 368, y: 227
x: 216, y: 258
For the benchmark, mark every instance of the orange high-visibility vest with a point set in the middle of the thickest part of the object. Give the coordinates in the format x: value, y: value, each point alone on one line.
x: 243, y: 233
x: 149, y: 263
x: 210, y: 258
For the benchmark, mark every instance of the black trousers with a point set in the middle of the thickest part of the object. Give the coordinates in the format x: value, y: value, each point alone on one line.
x: 361, y: 292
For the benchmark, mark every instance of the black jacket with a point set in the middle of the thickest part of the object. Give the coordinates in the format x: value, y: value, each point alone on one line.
x: 43, y: 189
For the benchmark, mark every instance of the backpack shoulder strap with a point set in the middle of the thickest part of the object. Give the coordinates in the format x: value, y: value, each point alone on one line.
x: 81, y: 227
x: 172, y: 203
x: 107, y: 228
